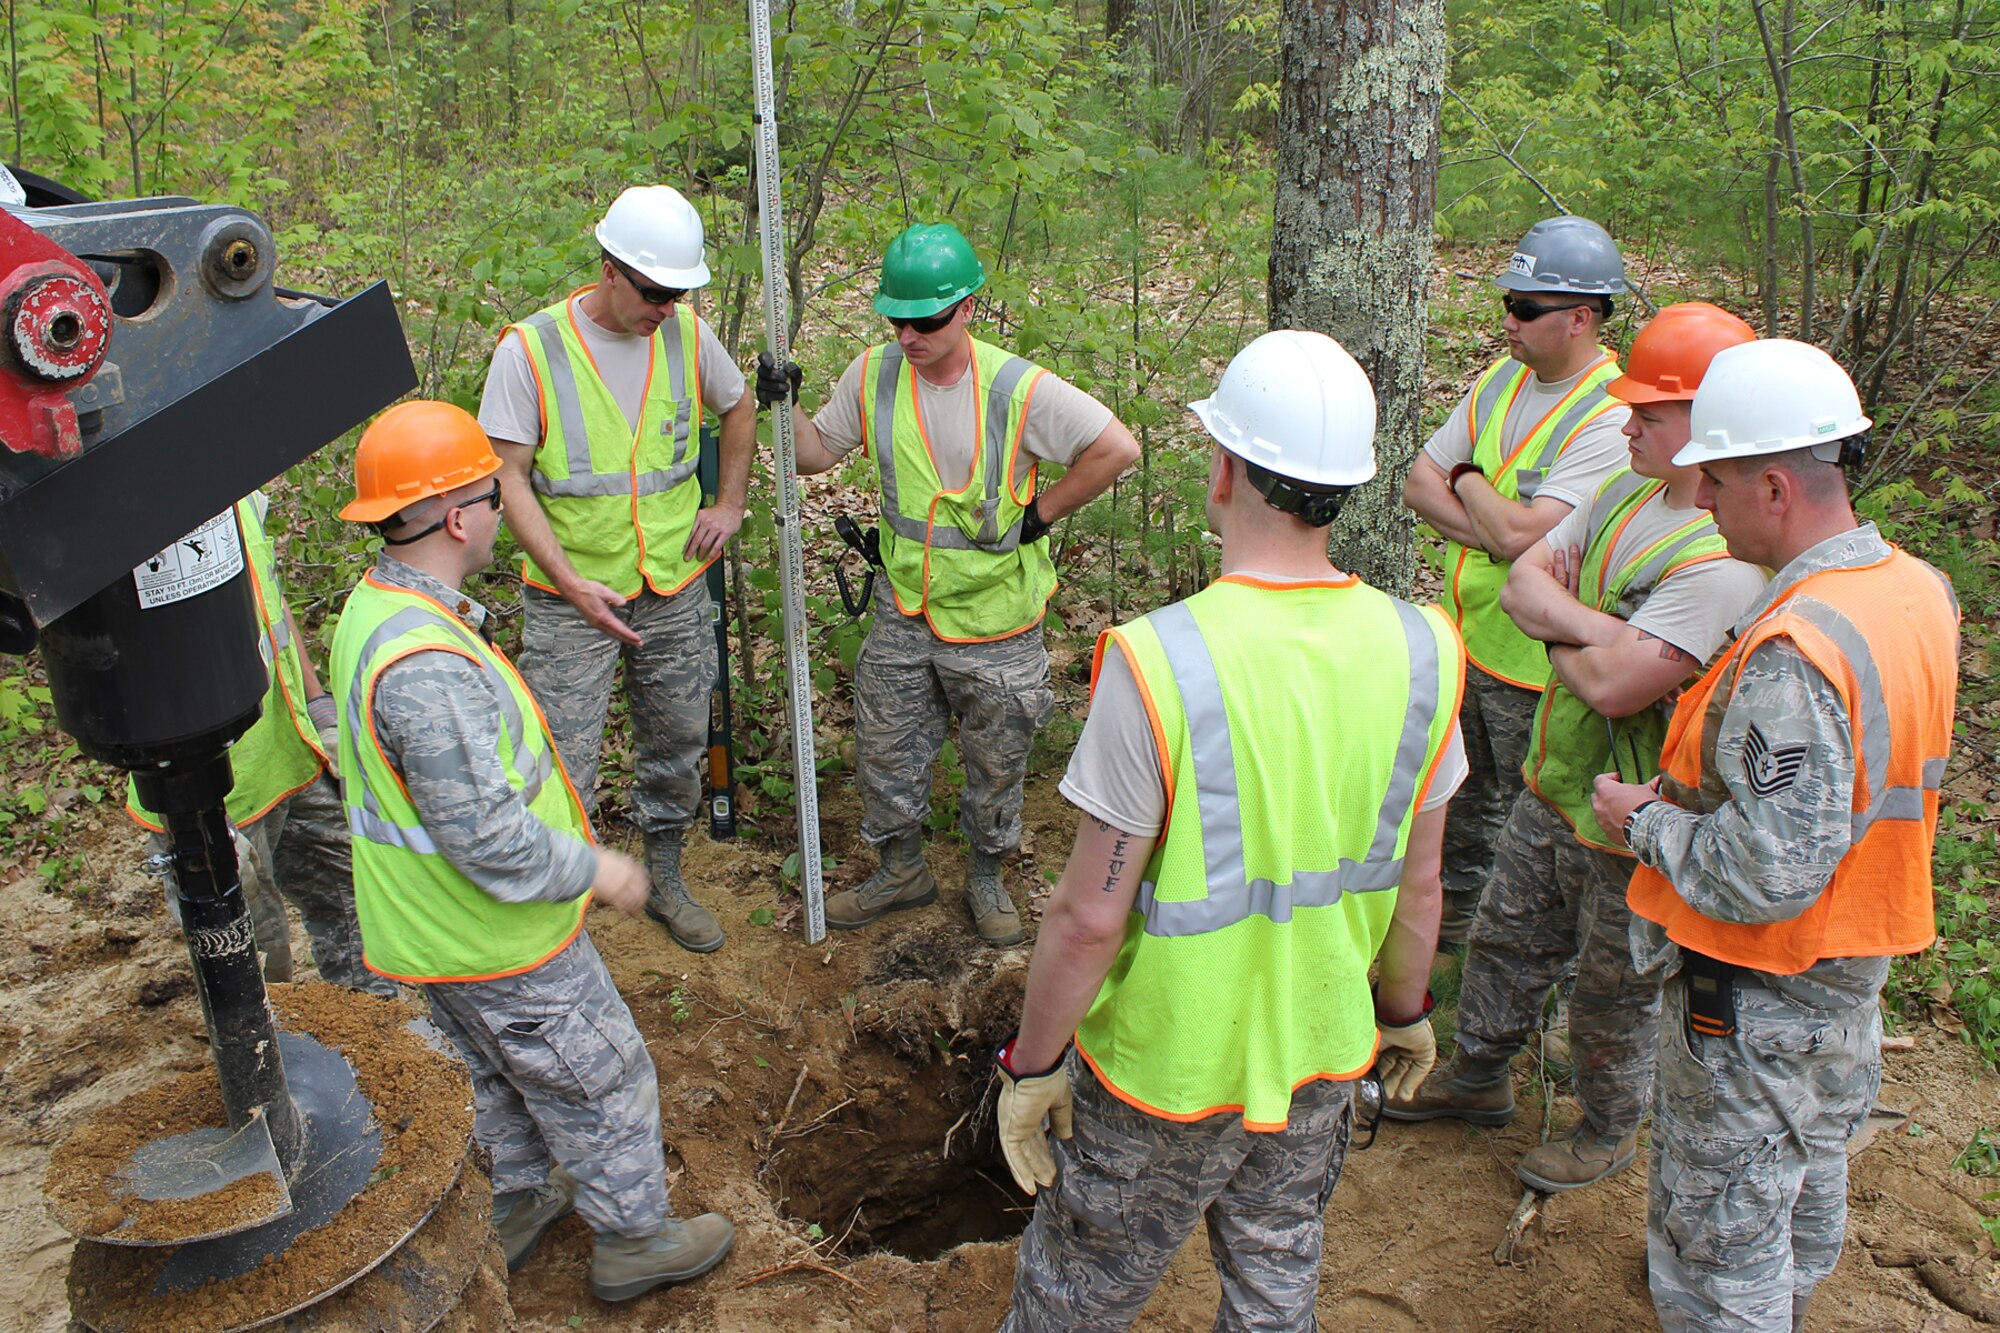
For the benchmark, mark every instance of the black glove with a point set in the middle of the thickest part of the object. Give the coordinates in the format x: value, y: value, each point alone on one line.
x: 774, y: 385
x: 1033, y: 526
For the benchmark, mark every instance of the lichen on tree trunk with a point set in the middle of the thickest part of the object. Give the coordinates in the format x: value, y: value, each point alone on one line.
x: 1352, y: 238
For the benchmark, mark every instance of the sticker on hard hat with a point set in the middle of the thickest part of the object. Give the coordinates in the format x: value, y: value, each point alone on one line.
x: 205, y: 559
x: 1521, y: 266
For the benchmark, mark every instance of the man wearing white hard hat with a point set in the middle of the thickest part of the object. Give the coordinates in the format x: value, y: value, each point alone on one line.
x: 1532, y: 440
x: 1213, y: 967
x: 1785, y: 849
x: 595, y: 407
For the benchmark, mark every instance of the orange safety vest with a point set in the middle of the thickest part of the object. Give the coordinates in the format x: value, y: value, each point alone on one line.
x: 1886, y: 635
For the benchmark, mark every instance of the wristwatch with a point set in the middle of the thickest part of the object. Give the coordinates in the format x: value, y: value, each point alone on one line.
x: 1458, y: 470
x: 1634, y: 815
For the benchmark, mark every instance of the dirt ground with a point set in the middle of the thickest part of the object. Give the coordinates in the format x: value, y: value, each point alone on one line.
x: 833, y: 1100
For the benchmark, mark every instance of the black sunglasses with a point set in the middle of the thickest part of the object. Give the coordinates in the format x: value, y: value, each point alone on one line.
x: 929, y: 323
x: 646, y: 291
x: 491, y: 497
x: 1521, y: 308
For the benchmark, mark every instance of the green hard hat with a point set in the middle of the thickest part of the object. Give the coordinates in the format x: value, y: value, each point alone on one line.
x: 926, y: 269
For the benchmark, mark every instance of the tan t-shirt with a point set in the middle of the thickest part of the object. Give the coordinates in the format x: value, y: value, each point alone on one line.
x: 1695, y: 608
x: 1115, y: 774
x: 1063, y: 420
x: 510, y: 409
x: 1597, y: 451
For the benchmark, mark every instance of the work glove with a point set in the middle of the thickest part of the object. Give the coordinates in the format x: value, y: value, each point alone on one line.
x: 326, y: 721
x: 774, y: 385
x: 1026, y: 1105
x: 1406, y: 1055
x: 1033, y: 526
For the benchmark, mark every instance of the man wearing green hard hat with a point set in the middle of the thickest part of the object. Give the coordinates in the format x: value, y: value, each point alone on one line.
x: 957, y: 430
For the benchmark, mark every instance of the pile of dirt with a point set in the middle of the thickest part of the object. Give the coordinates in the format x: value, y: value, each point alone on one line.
x: 417, y: 1097
x: 90, y: 1192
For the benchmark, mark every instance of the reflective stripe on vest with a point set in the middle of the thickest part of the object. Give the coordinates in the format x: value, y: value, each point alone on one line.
x: 422, y: 919
x: 620, y: 498
x: 365, y: 819
x: 1570, y: 742
x: 1492, y: 640
x: 280, y: 753
x: 1232, y: 895
x: 1296, y: 727
x: 1900, y: 710
x: 956, y: 556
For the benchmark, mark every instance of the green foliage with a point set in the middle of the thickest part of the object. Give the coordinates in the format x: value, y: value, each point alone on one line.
x: 1958, y: 971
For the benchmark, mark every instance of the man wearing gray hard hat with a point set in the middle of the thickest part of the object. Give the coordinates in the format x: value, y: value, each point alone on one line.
x: 1530, y: 441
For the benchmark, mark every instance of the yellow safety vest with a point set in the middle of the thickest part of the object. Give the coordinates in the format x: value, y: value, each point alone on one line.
x: 281, y: 752
x: 1299, y: 725
x: 620, y: 502
x: 956, y: 557
x: 1474, y: 578
x: 421, y: 918
x: 1572, y: 743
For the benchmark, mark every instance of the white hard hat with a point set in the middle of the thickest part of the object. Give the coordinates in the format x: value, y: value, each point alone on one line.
x: 655, y: 231
x: 1294, y: 402
x: 1767, y: 397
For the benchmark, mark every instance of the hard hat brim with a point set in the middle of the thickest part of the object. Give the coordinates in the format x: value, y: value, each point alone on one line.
x: 1628, y: 390
x: 1511, y: 282
x: 892, y: 308
x: 379, y: 508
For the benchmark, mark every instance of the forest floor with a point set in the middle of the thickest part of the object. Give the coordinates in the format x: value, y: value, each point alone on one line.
x: 834, y: 1100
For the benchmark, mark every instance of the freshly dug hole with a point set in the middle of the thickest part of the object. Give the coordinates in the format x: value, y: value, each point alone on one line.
x: 876, y: 1176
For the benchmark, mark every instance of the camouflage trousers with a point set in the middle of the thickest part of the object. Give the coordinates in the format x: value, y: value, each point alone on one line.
x: 1495, y: 721
x: 908, y: 683
x: 1130, y: 1188
x: 569, y: 665
x: 299, y: 852
x: 1553, y: 902
x: 1747, y: 1201
x: 560, y: 1074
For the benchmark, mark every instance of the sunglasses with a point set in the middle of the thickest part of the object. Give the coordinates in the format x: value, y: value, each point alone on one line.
x: 646, y: 291
x: 1521, y: 308
x: 929, y: 323
x: 491, y: 497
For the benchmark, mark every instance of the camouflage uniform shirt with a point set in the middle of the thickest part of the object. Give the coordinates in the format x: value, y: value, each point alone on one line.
x: 1743, y: 857
x: 439, y: 725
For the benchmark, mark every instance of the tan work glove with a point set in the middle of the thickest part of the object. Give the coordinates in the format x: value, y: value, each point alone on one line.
x: 1026, y: 1104
x: 1407, y: 1054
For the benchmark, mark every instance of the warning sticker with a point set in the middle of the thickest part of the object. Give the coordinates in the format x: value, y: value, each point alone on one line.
x: 206, y: 558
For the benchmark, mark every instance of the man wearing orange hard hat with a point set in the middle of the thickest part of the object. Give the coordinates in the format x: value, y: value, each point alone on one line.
x: 1631, y: 593
x: 474, y: 864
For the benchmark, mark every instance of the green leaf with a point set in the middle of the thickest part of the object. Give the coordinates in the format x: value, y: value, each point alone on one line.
x: 762, y: 1063
x: 761, y: 916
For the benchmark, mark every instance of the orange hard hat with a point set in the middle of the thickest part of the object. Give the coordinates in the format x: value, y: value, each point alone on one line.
x: 413, y: 451
x: 1672, y: 353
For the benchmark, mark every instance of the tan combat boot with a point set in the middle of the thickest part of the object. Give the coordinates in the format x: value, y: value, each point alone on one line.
x: 902, y: 881
x: 993, y: 914
x: 1580, y: 1157
x: 622, y: 1267
x: 693, y: 926
x: 521, y: 1216
x: 1478, y: 1092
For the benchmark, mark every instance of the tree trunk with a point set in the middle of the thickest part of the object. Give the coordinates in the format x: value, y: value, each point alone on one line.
x: 1352, y: 238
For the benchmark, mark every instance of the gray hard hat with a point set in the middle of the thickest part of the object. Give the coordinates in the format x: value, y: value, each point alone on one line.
x: 1565, y: 254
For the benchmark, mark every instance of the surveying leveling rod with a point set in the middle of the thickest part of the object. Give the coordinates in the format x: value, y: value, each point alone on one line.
x: 791, y: 567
